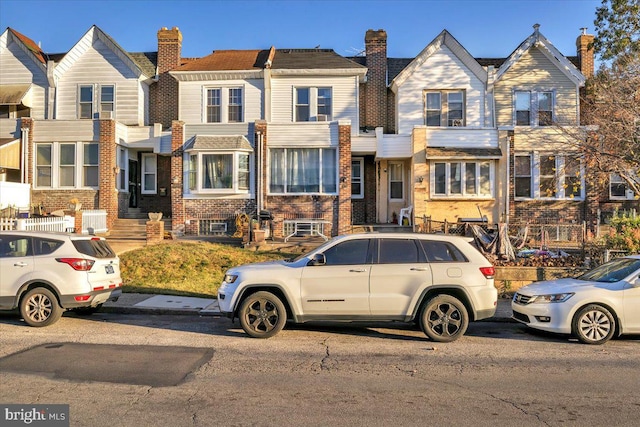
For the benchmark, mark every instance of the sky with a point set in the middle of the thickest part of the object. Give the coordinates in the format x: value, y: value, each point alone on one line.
x: 492, y: 28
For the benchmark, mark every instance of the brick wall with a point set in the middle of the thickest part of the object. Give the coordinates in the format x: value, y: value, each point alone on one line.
x: 222, y: 209
x: 177, y: 205
x: 376, y: 87
x: 585, y: 54
x: 158, y: 202
x: 108, y: 195
x: 343, y: 207
x: 166, y: 92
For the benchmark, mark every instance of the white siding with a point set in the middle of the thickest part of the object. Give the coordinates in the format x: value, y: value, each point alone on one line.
x: 312, y: 134
x: 442, y: 70
x: 221, y: 129
x: 192, y: 99
x: 462, y: 138
x: 100, y: 65
x: 394, y: 147
x: 66, y: 130
x: 16, y: 67
x: 344, y: 92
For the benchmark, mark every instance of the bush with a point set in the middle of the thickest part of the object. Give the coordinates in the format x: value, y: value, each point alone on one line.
x: 626, y: 235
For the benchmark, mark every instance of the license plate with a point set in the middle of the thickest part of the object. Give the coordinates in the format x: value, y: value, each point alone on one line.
x: 109, y: 269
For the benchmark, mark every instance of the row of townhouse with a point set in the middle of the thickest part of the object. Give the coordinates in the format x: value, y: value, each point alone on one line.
x: 300, y: 133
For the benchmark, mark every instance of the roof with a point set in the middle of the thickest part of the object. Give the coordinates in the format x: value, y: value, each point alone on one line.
x: 315, y: 59
x: 228, y: 60
x: 147, y: 61
x: 31, y: 45
x: 227, y: 142
x: 13, y: 94
x: 450, y: 152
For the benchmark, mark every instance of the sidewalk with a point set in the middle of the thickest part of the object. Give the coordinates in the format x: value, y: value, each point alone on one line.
x: 169, y: 304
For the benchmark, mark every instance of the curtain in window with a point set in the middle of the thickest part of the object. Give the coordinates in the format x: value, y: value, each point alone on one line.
x: 303, y: 174
x: 218, y: 171
x: 276, y: 170
x: 329, y: 184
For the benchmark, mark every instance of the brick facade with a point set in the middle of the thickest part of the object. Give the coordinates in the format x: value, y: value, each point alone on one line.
x: 108, y: 194
x: 176, y: 175
x: 343, y: 214
x: 166, y: 91
x: 585, y: 54
x: 376, y: 88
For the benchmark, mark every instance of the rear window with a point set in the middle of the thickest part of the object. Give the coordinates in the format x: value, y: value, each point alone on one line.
x: 94, y: 248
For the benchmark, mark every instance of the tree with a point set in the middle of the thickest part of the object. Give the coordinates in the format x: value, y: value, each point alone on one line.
x: 617, y: 29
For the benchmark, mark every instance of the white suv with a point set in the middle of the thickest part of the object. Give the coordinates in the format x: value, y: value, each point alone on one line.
x: 442, y: 282
x: 45, y: 273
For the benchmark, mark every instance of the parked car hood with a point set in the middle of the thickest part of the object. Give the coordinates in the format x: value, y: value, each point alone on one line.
x: 559, y: 286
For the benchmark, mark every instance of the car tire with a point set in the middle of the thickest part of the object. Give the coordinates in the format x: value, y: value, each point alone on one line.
x: 262, y: 315
x: 444, y: 318
x: 39, y: 307
x: 87, y: 311
x: 593, y: 324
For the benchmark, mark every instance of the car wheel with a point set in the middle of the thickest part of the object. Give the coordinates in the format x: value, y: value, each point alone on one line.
x: 444, y: 319
x: 87, y: 311
x: 39, y: 307
x: 262, y: 315
x: 594, y: 324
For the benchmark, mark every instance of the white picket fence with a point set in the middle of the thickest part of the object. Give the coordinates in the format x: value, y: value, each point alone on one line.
x: 93, y: 221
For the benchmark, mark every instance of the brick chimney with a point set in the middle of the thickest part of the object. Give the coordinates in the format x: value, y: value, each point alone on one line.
x: 169, y: 55
x: 376, y: 87
x: 585, y: 53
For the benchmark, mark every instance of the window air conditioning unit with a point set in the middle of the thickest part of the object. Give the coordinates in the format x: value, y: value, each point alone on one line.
x: 456, y: 123
x: 106, y: 115
x: 321, y: 118
x: 630, y: 194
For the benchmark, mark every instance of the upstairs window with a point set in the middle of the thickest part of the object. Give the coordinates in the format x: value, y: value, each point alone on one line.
x: 235, y: 105
x: 444, y: 108
x: 213, y: 106
x: 107, y: 101
x: 85, y: 103
x: 313, y: 104
x: 223, y: 105
x: 533, y: 108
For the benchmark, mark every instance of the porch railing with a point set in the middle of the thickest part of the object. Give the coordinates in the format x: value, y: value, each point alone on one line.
x: 94, y: 221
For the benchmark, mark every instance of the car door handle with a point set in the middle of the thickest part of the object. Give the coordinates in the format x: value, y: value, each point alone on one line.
x: 20, y: 264
x: 419, y: 269
x: 358, y: 270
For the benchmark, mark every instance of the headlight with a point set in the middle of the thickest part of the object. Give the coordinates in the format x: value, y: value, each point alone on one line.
x: 552, y: 298
x: 230, y: 278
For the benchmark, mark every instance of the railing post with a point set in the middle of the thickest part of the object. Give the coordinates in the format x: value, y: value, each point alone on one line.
x: 21, y: 224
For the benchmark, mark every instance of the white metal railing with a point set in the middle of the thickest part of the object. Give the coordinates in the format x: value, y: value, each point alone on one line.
x: 94, y: 221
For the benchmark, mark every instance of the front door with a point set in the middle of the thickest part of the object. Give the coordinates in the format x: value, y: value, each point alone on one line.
x: 134, y: 183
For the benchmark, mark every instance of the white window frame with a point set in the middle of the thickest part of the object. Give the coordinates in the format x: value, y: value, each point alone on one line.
x: 321, y: 172
x: 479, y: 163
x: 225, y: 104
x: 151, y: 172
x: 95, y: 165
x: 80, y: 103
x: 357, y: 179
x: 54, y: 166
x: 444, y: 95
x: 313, y: 104
x: 122, y: 163
x: 207, y: 105
x: 402, y: 181
x: 534, y: 106
x: 195, y: 171
x: 559, y: 177
x: 614, y: 178
x: 112, y: 112
x: 73, y: 166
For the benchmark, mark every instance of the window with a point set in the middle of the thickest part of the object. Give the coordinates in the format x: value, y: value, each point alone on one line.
x: 67, y: 171
x: 90, y: 165
x: 462, y: 179
x: 107, y: 100
x: 618, y: 188
x: 43, y: 165
x: 533, y: 108
x: 85, y: 105
x: 149, y: 173
x: 444, y: 108
x: 351, y: 252
x: 4, y: 112
x: 442, y: 252
x: 398, y: 251
x: 218, y: 172
x: 357, y: 178
x: 235, y: 105
x: 523, y: 176
x: 67, y: 165
x: 303, y: 170
x: 223, y: 105
x: 396, y: 181
x: 313, y: 104
x: 544, y: 175
x: 122, y: 167
x: 523, y: 108
x: 213, y: 106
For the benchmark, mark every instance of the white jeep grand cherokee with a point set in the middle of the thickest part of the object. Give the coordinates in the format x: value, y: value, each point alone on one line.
x: 442, y: 282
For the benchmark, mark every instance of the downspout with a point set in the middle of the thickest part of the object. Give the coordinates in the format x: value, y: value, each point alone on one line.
x: 23, y: 157
x: 259, y: 181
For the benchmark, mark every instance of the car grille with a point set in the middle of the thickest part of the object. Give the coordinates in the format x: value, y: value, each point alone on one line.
x: 521, y: 299
x: 521, y: 317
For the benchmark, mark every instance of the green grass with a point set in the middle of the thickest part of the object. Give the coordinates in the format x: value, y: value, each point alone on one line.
x: 184, y: 268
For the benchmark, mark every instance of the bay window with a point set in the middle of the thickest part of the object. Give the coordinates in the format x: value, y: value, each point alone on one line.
x: 67, y: 165
x: 462, y: 179
x: 303, y: 170
x: 218, y: 172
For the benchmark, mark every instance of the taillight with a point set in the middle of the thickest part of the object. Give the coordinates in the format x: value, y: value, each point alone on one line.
x: 488, y: 272
x: 78, y: 264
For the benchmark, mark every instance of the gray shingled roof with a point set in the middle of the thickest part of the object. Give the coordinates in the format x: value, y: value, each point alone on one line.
x: 463, y: 152
x: 147, y: 61
x: 210, y: 142
x: 297, y: 59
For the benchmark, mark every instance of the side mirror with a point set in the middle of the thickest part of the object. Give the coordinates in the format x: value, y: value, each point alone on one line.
x: 318, y: 259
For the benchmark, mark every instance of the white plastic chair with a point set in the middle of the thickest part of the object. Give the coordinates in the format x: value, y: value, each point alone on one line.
x: 406, y: 213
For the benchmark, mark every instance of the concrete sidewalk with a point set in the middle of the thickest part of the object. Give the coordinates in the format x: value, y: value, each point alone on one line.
x: 170, y: 304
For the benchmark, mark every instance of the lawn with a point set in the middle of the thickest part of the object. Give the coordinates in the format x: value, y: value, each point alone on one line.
x: 185, y: 268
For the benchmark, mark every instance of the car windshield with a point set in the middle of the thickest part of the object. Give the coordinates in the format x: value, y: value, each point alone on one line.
x: 613, y: 271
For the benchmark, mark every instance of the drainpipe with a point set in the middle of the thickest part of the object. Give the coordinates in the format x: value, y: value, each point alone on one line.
x: 259, y: 183
x: 23, y: 158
